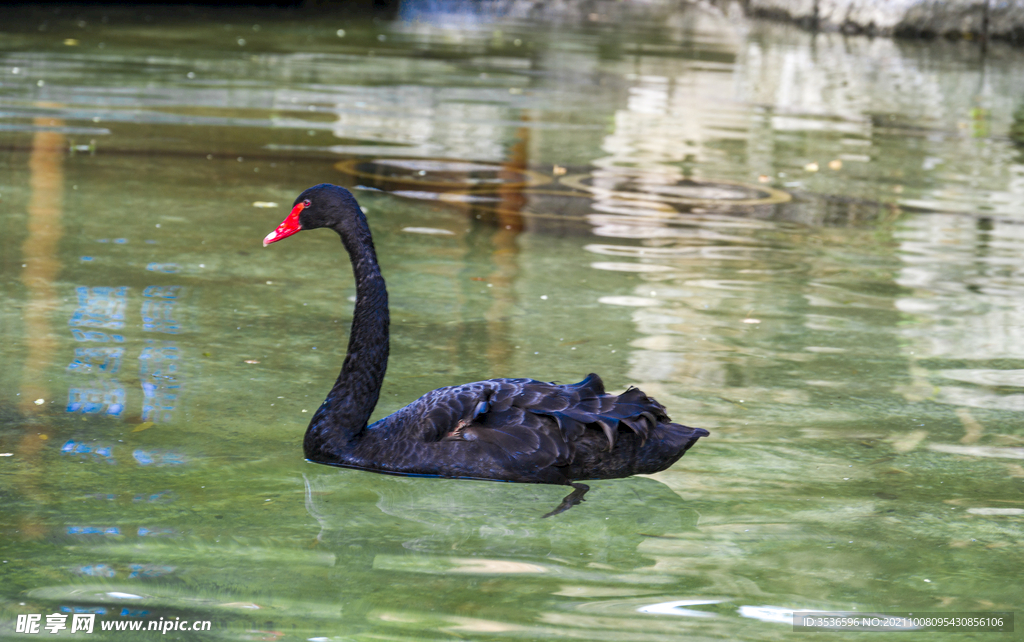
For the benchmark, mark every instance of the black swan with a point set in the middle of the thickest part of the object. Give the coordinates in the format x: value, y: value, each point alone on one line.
x: 517, y: 430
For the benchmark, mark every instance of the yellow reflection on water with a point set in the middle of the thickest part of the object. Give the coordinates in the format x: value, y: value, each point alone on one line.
x: 40, y: 258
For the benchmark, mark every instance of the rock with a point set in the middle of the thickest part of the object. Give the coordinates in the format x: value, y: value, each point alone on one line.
x: 1000, y: 19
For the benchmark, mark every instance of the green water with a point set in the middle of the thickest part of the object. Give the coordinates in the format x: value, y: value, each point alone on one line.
x: 812, y: 246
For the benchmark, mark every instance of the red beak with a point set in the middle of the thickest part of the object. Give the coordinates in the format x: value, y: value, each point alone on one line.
x: 290, y: 225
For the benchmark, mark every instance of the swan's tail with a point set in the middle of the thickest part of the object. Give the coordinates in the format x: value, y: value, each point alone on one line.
x: 671, y: 441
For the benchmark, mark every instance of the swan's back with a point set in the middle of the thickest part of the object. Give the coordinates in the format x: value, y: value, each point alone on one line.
x: 519, y: 430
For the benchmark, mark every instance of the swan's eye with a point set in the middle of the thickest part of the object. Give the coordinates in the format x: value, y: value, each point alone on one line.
x: 306, y: 203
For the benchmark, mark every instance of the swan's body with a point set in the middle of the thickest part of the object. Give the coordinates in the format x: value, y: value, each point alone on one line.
x: 504, y: 429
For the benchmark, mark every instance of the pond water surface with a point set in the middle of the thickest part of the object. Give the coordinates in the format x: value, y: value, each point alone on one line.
x: 812, y: 246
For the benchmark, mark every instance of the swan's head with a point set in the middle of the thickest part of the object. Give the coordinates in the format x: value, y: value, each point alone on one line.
x: 322, y: 205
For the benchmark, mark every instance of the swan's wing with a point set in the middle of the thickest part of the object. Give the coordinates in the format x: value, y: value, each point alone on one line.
x: 544, y: 422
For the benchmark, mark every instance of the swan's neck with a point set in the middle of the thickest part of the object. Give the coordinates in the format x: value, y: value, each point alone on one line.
x: 345, y: 412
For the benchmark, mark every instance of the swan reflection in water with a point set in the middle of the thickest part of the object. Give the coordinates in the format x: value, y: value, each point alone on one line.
x: 385, y: 516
